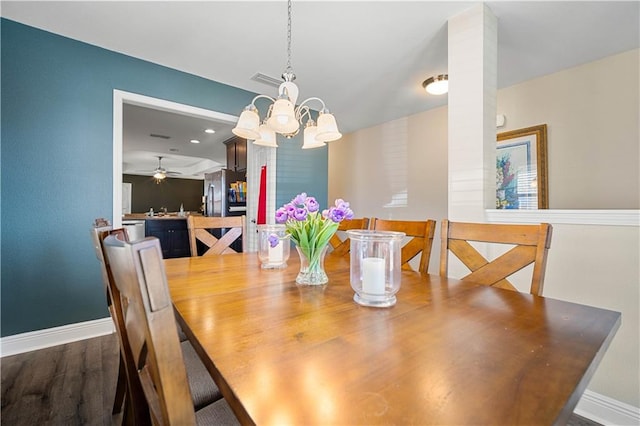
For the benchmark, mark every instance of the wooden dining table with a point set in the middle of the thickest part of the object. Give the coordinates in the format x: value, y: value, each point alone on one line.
x: 449, y: 352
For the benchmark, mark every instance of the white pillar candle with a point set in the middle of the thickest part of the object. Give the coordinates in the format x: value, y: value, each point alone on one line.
x: 373, y: 276
x: 275, y: 253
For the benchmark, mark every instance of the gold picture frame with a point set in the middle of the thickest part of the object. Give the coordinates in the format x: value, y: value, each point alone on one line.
x: 521, y: 169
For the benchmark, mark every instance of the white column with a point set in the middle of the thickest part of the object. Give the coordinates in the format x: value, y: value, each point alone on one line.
x: 472, y: 71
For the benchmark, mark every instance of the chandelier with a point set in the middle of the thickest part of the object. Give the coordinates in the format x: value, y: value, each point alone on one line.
x: 284, y: 117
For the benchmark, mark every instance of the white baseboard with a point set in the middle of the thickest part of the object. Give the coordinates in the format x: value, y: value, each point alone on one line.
x: 40, y: 339
x: 594, y: 406
x: 607, y: 411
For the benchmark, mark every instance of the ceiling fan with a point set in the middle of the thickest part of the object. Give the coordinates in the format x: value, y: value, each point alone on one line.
x: 160, y: 173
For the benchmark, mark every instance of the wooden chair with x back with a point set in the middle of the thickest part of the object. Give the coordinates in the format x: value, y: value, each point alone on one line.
x: 126, y: 385
x: 138, y: 273
x: 530, y: 246
x: 340, y: 244
x: 420, y: 242
x: 232, y: 227
x: 128, y: 388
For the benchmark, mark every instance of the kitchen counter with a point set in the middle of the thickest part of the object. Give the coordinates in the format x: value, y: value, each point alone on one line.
x: 144, y: 216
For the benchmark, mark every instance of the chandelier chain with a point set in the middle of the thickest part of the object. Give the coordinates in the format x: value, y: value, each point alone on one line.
x: 289, y: 69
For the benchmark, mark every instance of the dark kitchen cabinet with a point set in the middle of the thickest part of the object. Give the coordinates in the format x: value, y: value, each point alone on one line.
x: 173, y: 236
x: 236, y: 154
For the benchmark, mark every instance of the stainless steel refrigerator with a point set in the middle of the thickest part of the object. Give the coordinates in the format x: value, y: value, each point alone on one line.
x: 220, y: 198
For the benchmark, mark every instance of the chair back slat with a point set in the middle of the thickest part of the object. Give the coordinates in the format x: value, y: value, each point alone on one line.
x: 198, y: 227
x: 420, y: 241
x: 339, y: 242
x: 531, y: 244
x: 139, y: 274
x: 495, y: 233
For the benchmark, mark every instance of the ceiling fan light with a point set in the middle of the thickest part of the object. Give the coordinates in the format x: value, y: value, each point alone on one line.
x: 248, y: 124
x: 283, y: 118
x: 159, y: 175
x: 310, y: 132
x: 438, y: 85
x: 327, y: 128
x: 267, y: 137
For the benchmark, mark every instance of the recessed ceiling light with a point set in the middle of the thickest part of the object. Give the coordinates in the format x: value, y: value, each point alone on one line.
x: 209, y: 131
x: 194, y: 141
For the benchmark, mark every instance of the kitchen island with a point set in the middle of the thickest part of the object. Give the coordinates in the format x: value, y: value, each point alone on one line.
x: 169, y: 228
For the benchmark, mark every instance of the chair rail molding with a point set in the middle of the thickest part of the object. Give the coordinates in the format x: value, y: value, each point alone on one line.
x: 568, y: 217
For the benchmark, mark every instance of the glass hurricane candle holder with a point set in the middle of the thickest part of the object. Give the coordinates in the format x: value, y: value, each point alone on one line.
x: 375, y: 266
x: 273, y: 246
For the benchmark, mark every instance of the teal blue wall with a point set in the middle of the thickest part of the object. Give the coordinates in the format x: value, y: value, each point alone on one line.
x: 56, y: 175
x: 297, y: 173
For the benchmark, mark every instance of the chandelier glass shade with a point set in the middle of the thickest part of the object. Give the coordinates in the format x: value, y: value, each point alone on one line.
x: 284, y: 117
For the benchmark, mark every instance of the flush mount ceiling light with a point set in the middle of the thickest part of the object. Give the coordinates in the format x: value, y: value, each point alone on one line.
x: 437, y: 85
x: 211, y: 131
x: 284, y: 117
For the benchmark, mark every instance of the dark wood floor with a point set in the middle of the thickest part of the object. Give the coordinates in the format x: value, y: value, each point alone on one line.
x: 70, y: 384
x: 73, y: 384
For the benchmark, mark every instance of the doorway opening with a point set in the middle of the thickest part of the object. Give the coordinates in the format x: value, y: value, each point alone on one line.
x: 120, y: 99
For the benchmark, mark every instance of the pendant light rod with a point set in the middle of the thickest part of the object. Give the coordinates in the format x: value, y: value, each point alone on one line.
x: 289, y: 69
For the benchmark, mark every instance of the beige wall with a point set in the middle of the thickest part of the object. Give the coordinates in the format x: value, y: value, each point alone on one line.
x: 591, y: 112
x: 599, y: 266
x: 397, y: 170
x: 588, y: 264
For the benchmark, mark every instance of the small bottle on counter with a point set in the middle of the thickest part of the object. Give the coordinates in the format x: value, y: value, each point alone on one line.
x: 151, y: 211
x: 181, y: 213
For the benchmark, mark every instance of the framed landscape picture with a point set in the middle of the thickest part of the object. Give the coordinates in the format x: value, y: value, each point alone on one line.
x: 521, y: 169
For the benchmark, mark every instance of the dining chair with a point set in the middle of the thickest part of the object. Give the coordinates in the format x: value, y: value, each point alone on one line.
x: 204, y: 389
x: 530, y: 246
x: 339, y: 242
x: 138, y: 272
x: 134, y: 414
x: 420, y: 242
x: 101, y: 228
x: 230, y: 228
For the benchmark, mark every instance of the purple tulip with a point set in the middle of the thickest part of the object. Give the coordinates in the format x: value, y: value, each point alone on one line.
x: 299, y: 200
x: 300, y: 214
x: 336, y: 214
x: 273, y: 240
x: 290, y: 209
x: 340, y: 202
x: 348, y: 213
x: 312, y: 205
x: 281, y: 215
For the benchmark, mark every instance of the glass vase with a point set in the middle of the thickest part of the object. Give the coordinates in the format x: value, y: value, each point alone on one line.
x: 273, y: 246
x: 312, y: 266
